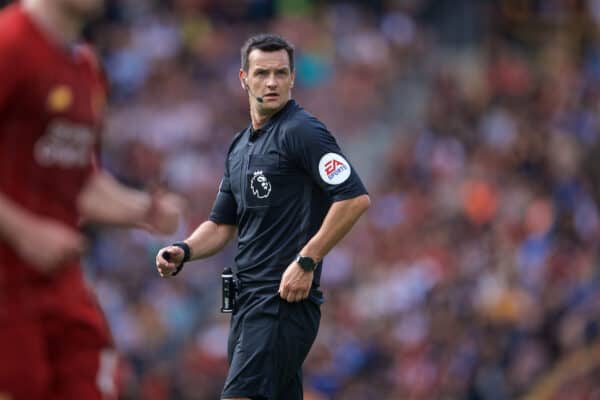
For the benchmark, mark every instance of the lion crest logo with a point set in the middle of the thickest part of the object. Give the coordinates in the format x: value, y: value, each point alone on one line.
x: 260, y: 185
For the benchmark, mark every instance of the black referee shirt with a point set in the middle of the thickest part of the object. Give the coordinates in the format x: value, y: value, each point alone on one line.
x: 278, y: 185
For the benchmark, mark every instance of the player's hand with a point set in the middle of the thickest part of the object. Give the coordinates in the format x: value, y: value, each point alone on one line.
x: 165, y: 211
x: 168, y: 259
x: 295, y: 283
x: 48, y: 244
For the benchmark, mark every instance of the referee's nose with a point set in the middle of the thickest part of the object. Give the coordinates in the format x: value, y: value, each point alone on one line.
x: 271, y: 82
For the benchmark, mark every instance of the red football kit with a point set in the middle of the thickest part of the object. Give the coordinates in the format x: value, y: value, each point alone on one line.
x: 54, y: 341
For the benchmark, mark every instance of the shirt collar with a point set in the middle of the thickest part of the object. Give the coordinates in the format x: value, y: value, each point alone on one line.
x: 254, y: 133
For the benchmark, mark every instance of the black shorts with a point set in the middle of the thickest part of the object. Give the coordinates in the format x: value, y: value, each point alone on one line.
x: 268, y: 342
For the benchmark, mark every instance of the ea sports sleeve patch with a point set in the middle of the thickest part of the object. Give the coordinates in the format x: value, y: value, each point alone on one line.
x: 334, y: 169
x: 317, y: 152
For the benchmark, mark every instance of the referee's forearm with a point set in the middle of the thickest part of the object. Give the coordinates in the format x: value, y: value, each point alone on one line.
x: 339, y: 220
x: 209, y: 238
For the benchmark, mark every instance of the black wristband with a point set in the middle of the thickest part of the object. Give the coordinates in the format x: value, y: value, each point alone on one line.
x: 186, y: 255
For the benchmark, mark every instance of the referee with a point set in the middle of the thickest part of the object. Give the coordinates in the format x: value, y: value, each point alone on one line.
x: 290, y: 195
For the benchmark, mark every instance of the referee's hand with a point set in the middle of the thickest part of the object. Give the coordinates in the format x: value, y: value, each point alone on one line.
x: 295, y: 283
x: 168, y: 259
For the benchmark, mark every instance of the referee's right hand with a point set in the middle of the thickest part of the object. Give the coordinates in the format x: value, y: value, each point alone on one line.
x: 168, y: 259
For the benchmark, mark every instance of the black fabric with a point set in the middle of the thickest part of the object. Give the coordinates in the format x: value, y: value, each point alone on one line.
x: 268, y: 342
x: 224, y: 207
x: 276, y: 191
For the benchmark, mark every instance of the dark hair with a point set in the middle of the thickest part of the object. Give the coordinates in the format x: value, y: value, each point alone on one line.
x: 266, y: 42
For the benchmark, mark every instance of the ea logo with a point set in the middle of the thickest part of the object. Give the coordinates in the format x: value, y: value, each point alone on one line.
x: 260, y: 185
x: 334, y: 169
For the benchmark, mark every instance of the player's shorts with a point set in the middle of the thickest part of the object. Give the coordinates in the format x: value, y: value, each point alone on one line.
x: 54, y: 342
x: 268, y: 342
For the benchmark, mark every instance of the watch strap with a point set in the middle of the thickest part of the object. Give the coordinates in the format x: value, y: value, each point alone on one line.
x: 186, y: 255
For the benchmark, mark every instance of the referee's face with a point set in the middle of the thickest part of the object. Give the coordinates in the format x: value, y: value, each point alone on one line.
x: 269, y: 77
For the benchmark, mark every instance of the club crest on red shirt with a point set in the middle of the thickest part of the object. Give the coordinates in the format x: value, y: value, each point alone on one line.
x: 60, y: 98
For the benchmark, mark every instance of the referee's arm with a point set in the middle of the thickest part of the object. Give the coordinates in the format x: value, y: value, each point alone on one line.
x: 208, y: 239
x: 340, y: 218
x: 342, y: 215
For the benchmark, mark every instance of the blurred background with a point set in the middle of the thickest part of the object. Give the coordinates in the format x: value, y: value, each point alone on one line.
x: 475, y: 126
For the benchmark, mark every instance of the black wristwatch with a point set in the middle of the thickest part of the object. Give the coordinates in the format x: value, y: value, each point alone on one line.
x: 307, y: 263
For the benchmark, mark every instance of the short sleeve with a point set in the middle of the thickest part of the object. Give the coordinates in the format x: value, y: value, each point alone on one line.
x: 316, y: 151
x: 224, y: 210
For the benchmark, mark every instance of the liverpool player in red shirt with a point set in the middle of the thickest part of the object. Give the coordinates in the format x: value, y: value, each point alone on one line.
x: 54, y: 342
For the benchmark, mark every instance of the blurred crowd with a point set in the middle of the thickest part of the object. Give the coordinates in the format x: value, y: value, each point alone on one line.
x: 475, y: 126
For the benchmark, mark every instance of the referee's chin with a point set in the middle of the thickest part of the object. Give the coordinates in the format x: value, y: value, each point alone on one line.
x: 271, y: 107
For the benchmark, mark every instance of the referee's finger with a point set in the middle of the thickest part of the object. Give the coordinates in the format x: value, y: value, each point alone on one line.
x: 172, y: 254
x: 295, y: 297
x: 160, y: 262
x: 164, y: 266
x: 164, y: 272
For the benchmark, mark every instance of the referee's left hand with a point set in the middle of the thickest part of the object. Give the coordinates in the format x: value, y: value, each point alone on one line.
x: 295, y: 283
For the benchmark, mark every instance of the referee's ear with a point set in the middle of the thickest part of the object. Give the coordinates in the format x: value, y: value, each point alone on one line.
x: 243, y: 83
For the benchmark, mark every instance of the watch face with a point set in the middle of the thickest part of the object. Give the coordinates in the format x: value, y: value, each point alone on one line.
x: 307, y: 263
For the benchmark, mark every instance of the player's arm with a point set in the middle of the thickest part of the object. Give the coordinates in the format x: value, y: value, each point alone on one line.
x: 104, y: 200
x: 41, y: 242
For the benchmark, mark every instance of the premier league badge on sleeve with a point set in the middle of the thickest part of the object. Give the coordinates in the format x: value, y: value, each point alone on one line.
x: 334, y: 169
